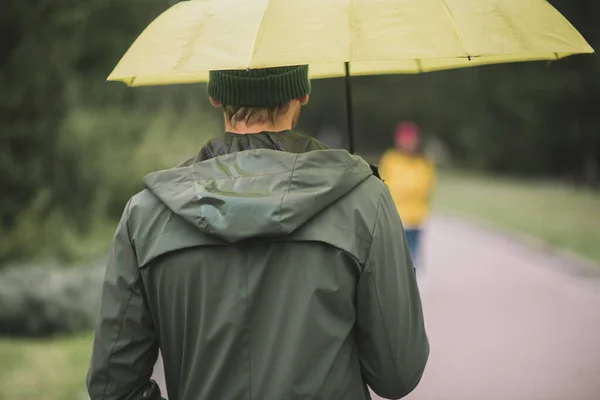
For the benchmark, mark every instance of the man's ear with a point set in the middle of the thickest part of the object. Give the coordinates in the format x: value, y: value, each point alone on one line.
x: 215, y: 103
x: 303, y: 100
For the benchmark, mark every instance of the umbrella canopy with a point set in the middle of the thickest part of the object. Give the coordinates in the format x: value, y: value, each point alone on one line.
x: 373, y: 36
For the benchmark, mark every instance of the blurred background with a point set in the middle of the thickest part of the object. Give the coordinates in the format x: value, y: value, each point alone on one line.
x: 517, y: 146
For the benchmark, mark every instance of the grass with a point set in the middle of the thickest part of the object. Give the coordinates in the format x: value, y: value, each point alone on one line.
x: 44, y: 369
x: 561, y: 215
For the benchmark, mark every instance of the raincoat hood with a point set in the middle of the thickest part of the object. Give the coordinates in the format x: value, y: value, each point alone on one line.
x: 257, y: 193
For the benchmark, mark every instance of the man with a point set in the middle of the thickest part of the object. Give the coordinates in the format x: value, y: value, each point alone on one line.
x: 268, y: 267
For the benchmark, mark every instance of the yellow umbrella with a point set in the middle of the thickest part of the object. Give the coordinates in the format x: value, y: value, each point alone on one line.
x: 367, y: 37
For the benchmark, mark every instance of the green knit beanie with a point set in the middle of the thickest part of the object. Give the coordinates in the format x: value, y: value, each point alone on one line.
x: 259, y: 87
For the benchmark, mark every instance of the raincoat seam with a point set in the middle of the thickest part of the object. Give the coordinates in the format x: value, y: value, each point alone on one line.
x: 385, y: 330
x: 306, y: 144
x: 259, y: 175
x: 349, y: 253
x: 192, y: 176
x: 248, y: 339
x: 350, y: 230
x: 135, y: 281
x: 374, y: 225
x: 368, y: 266
x: 289, y: 188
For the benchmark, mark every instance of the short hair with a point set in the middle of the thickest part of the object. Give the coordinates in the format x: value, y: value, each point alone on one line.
x: 254, y: 115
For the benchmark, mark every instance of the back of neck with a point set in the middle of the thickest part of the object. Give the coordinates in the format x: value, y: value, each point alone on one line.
x: 244, y: 129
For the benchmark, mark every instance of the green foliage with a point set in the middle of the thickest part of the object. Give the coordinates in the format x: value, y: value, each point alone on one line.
x: 48, y: 301
x: 73, y: 149
x: 127, y: 144
x: 103, y: 158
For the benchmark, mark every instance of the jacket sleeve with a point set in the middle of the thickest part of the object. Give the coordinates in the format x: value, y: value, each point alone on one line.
x: 392, y: 343
x: 125, y: 346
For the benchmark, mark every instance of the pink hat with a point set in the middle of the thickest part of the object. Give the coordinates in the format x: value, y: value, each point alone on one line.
x: 407, y: 130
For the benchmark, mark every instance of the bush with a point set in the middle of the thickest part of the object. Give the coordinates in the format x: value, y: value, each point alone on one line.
x: 128, y: 144
x: 36, y: 301
x: 103, y: 156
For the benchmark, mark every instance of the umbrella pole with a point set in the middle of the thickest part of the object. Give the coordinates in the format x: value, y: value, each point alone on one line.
x: 349, y: 113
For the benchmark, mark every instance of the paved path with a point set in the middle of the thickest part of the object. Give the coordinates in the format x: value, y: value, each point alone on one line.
x: 504, y: 322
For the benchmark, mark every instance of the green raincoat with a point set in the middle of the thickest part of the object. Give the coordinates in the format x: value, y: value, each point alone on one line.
x: 270, y: 268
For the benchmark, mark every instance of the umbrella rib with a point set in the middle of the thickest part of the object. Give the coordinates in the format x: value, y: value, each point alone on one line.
x: 419, y: 65
x: 456, y: 28
x: 258, y: 31
x: 187, y: 53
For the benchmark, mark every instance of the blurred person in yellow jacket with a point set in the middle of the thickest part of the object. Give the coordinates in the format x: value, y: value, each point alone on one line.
x: 410, y: 176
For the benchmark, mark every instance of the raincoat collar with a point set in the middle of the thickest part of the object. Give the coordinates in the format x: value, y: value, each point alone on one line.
x: 288, y: 141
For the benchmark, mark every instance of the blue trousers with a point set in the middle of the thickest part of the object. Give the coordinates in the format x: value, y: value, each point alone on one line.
x: 413, y: 240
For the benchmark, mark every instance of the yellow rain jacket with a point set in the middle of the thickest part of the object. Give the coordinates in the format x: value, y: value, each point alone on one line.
x: 410, y: 179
